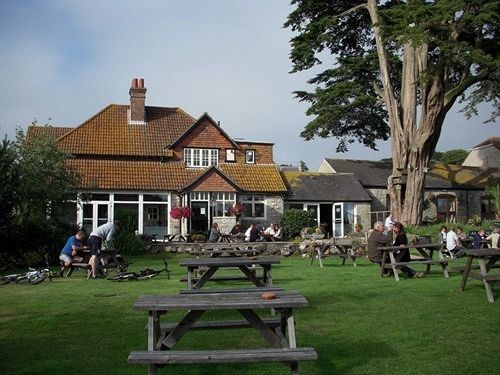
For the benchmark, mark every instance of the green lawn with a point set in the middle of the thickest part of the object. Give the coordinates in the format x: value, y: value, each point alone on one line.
x: 358, y: 323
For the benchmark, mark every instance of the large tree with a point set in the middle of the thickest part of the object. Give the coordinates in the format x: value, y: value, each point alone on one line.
x: 395, y: 69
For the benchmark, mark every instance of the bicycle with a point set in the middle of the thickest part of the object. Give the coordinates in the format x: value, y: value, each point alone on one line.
x: 145, y: 274
x: 33, y: 276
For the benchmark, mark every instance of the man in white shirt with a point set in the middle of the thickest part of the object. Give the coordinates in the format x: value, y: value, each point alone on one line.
x: 103, y: 233
x: 453, y: 243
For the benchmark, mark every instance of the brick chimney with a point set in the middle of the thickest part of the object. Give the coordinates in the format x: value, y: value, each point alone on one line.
x: 137, y: 101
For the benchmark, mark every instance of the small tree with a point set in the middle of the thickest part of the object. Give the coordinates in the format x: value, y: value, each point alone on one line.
x: 294, y: 220
x: 180, y: 213
x: 493, y: 189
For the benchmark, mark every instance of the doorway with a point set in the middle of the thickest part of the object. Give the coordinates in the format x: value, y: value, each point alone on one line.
x: 199, y: 218
x: 325, y: 219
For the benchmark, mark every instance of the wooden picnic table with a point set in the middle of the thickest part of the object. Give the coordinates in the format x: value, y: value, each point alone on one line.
x: 242, y: 263
x: 105, y: 260
x: 278, y: 332
x: 342, y: 248
x: 229, y: 248
x: 425, y: 250
x: 174, y: 238
x: 492, y: 256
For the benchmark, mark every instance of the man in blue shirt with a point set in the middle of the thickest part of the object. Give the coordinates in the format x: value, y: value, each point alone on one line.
x: 73, y: 245
x: 103, y: 233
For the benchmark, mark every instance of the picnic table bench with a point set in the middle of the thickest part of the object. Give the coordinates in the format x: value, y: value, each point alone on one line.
x: 106, y: 259
x: 341, y: 248
x: 278, y: 332
x: 492, y: 255
x: 426, y: 251
x: 242, y: 263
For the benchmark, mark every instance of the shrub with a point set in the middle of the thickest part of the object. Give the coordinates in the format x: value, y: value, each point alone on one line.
x: 294, y: 220
x: 125, y: 241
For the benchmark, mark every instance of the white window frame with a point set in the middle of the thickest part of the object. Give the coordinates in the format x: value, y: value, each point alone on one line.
x: 223, y: 197
x: 230, y: 154
x: 201, y: 157
x: 248, y: 159
x: 250, y: 199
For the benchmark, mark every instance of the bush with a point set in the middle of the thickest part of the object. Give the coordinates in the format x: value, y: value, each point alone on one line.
x: 125, y: 241
x: 294, y: 220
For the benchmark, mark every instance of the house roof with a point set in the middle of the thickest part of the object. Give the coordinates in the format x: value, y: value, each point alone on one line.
x: 212, y: 121
x: 495, y: 141
x: 153, y: 176
x: 374, y: 174
x: 207, y: 173
x: 324, y: 187
x: 108, y: 133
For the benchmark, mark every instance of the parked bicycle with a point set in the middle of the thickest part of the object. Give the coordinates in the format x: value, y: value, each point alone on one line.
x: 145, y: 274
x: 33, y: 276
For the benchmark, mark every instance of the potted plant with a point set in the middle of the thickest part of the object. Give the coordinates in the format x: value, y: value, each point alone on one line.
x: 318, y: 233
x: 198, y: 237
x: 237, y: 210
x: 307, y: 232
x: 180, y: 213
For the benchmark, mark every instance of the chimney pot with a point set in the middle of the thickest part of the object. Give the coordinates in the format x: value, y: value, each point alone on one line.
x: 134, y: 83
x: 141, y: 83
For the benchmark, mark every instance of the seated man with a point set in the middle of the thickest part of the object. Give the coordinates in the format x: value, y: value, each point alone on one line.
x: 236, y: 229
x: 252, y: 234
x: 478, y: 237
x: 453, y: 243
x: 73, y: 245
x: 376, y: 239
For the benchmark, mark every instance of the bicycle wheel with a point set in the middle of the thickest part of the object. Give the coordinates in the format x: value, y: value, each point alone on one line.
x: 5, y: 280
x: 146, y: 277
x: 37, y: 279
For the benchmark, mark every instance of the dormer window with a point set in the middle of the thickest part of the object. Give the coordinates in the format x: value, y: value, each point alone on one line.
x: 200, y: 157
x: 230, y: 155
x: 250, y: 156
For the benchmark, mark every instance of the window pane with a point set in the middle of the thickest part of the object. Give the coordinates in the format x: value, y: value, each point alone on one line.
x: 155, y: 219
x: 127, y: 197
x: 204, y: 158
x: 297, y: 206
x: 196, y: 157
x: 248, y: 210
x: 219, y: 208
x: 214, y: 157
x: 230, y: 155
x: 155, y: 198
x: 259, y: 210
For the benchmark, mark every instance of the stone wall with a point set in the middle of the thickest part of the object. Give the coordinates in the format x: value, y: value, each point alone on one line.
x: 363, y: 215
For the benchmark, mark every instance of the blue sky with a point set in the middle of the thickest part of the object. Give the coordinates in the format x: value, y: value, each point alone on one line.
x: 69, y: 59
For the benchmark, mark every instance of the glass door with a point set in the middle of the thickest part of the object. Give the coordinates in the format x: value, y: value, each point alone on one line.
x: 338, y: 219
x: 199, y: 219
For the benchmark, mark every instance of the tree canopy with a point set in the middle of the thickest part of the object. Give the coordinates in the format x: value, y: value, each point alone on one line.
x: 394, y: 69
x: 461, y: 38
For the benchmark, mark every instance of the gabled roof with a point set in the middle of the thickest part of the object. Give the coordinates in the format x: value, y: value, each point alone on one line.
x: 108, y: 133
x: 56, y: 131
x: 374, y: 174
x: 324, y: 187
x: 205, y: 116
x: 207, y: 172
x: 122, y: 174
x: 495, y: 141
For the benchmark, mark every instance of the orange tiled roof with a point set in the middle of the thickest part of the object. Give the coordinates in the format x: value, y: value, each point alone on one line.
x: 108, y: 132
x: 36, y: 131
x: 463, y: 175
x: 155, y: 176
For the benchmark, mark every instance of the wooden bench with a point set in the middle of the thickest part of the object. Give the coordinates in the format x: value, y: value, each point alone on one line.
x: 231, y: 290
x: 288, y: 355
x: 220, y: 278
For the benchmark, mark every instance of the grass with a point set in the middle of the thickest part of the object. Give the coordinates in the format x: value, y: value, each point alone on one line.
x: 358, y: 323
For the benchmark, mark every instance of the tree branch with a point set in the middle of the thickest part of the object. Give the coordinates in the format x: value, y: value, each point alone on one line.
x: 464, y: 84
x: 348, y: 11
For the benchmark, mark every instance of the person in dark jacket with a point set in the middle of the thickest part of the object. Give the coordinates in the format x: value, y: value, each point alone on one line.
x: 403, y: 255
x: 376, y: 239
x: 478, y: 237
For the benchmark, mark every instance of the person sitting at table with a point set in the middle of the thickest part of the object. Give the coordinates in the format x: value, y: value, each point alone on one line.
x: 73, y: 245
x: 442, y: 233
x: 278, y: 233
x: 377, y: 239
x: 461, y: 235
x: 403, y: 255
x: 494, y: 237
x: 236, y: 229
x: 270, y: 230
x: 252, y: 234
x: 214, y: 233
x: 478, y: 237
x: 453, y: 243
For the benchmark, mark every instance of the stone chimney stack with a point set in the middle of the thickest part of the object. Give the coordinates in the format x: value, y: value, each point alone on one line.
x: 137, y: 101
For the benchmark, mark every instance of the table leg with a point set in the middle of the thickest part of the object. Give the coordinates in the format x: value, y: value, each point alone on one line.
x: 184, y: 325
x: 268, y: 276
x: 153, y: 329
x: 206, y: 276
x: 382, y: 265
x: 353, y: 256
x: 266, y: 332
x: 428, y: 270
x: 487, y: 286
x: 468, y: 266
x: 320, y: 255
x: 394, y: 268
x: 253, y: 278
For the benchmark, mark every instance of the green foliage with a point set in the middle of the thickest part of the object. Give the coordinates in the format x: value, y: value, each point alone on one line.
x: 460, y: 37
x: 475, y: 221
x: 126, y: 241
x: 9, y: 172
x: 456, y: 157
x: 294, y: 220
x: 493, y: 189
